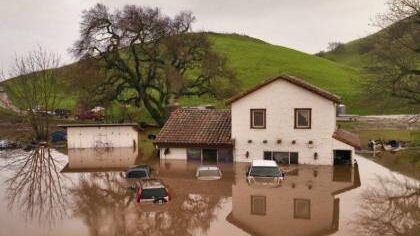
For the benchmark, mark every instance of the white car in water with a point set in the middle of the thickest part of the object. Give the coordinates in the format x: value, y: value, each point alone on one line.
x: 208, y: 173
x: 264, y: 172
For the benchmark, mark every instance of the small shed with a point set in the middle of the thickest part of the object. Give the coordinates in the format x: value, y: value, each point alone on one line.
x: 102, y: 135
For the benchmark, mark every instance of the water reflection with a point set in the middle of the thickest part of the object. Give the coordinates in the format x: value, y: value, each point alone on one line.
x: 34, y: 185
x: 305, y: 204
x: 391, y: 207
x: 313, y: 200
x: 101, y: 159
x: 108, y: 207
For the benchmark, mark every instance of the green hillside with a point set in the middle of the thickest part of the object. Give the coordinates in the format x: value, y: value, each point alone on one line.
x: 355, y: 53
x: 255, y: 60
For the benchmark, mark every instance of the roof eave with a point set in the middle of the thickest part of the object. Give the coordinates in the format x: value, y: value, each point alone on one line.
x: 290, y: 79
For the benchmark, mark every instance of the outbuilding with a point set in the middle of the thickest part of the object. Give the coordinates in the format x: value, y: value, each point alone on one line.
x: 102, y: 135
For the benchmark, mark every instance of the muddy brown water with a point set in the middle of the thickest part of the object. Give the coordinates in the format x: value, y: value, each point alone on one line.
x: 85, y: 193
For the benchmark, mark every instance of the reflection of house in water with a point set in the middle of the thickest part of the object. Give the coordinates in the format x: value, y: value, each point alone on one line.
x: 95, y: 159
x: 305, y: 204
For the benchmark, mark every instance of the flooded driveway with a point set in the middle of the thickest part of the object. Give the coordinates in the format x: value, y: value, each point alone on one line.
x: 85, y: 193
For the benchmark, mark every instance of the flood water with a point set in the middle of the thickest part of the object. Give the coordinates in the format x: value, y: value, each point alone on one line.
x: 85, y: 193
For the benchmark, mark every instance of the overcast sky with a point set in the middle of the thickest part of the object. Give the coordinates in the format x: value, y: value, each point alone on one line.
x: 305, y: 25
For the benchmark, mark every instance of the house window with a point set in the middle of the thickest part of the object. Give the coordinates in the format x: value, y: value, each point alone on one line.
x: 302, y: 208
x: 303, y: 118
x: 258, y: 118
x: 282, y: 157
x: 194, y: 154
x: 258, y: 205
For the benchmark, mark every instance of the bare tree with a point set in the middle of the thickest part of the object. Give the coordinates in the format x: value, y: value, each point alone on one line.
x: 152, y: 59
x: 35, y: 88
x: 104, y: 197
x: 35, y: 185
x: 397, y: 52
x: 392, y: 207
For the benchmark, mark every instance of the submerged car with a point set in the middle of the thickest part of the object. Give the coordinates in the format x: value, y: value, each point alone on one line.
x: 138, y: 172
x: 208, y: 173
x: 265, y: 172
x: 152, y: 190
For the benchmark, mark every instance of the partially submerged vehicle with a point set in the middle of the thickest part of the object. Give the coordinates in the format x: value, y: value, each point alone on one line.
x: 264, y: 172
x: 152, y: 190
x: 208, y: 173
x: 393, y: 146
x: 138, y: 172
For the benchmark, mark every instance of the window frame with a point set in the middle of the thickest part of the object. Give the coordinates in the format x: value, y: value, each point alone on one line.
x: 296, y: 214
x: 296, y: 116
x: 253, y: 210
x: 251, y: 121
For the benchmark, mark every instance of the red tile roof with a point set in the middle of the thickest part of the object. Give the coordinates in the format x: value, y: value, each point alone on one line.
x: 348, y: 137
x: 195, y: 127
x: 296, y: 81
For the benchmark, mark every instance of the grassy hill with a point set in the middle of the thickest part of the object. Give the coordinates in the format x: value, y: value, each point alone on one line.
x: 255, y: 60
x: 356, y: 53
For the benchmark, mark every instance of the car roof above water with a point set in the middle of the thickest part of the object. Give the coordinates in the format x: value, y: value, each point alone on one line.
x: 151, y: 183
x: 263, y: 163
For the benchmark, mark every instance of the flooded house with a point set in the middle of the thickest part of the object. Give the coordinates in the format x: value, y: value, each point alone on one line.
x: 284, y: 119
x: 102, y: 135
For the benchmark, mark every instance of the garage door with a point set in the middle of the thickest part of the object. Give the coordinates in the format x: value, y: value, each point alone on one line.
x: 342, y: 157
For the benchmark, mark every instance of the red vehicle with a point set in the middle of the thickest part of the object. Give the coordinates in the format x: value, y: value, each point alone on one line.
x: 152, y: 190
x: 89, y: 115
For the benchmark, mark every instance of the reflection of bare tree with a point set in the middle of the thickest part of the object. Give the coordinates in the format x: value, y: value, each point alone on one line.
x: 109, y: 208
x: 391, y: 208
x: 34, y: 186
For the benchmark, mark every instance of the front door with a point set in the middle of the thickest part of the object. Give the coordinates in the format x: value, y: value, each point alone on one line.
x: 210, y: 155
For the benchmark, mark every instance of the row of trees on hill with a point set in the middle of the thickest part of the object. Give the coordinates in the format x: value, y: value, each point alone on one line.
x: 394, y: 52
x: 397, y: 53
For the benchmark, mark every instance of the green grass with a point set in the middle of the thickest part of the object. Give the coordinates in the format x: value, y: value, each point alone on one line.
x: 254, y: 60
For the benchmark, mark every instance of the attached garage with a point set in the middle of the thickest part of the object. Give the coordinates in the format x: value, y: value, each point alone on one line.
x: 344, y: 144
x: 342, y: 157
x: 200, y: 135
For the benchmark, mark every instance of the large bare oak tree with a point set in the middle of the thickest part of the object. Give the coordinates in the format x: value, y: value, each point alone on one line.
x: 151, y: 59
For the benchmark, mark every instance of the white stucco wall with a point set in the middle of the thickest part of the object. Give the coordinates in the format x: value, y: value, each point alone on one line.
x: 280, y: 98
x: 98, y: 137
x: 174, y: 154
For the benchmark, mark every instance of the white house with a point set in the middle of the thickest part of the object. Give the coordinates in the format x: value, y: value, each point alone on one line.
x: 284, y: 119
x: 102, y: 135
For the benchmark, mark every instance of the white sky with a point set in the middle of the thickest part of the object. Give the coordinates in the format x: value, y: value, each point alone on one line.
x: 305, y: 25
